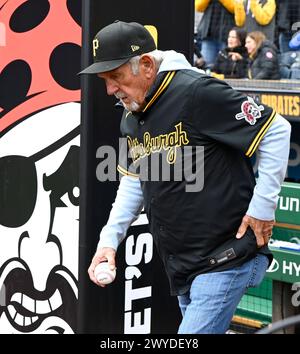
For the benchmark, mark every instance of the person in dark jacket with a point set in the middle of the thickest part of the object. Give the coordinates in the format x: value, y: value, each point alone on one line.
x: 263, y: 57
x: 232, y: 61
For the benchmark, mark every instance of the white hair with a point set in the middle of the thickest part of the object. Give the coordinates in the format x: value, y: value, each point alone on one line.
x: 156, y: 54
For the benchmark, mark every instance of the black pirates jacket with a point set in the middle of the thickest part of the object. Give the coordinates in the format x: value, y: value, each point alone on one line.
x: 210, y: 130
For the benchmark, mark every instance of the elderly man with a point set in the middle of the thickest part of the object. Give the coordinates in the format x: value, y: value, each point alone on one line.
x: 213, y: 240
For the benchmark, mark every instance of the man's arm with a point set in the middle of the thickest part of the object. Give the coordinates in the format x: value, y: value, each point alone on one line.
x: 273, y: 153
x: 126, y: 209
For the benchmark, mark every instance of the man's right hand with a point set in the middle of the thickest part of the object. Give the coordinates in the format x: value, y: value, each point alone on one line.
x: 104, y: 254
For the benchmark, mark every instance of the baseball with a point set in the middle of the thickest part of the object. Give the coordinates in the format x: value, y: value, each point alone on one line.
x: 103, y: 274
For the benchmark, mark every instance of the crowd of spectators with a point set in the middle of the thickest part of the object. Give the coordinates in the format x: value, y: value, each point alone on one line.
x: 253, y: 39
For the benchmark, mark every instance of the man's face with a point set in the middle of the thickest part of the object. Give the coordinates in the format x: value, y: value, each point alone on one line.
x: 131, y: 89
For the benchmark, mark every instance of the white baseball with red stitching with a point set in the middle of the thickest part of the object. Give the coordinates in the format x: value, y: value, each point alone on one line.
x: 103, y: 274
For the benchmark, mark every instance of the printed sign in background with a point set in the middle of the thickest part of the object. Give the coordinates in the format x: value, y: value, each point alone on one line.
x: 285, y: 266
x: 288, y: 214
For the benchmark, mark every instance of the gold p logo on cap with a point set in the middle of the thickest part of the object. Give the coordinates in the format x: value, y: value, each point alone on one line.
x: 95, y: 46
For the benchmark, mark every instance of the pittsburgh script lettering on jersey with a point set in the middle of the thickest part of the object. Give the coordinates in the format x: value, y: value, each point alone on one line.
x: 168, y: 142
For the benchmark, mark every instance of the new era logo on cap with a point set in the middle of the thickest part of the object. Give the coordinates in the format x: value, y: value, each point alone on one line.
x: 135, y: 47
x: 116, y: 43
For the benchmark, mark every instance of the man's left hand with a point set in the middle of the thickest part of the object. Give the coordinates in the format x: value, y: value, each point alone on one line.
x: 262, y: 229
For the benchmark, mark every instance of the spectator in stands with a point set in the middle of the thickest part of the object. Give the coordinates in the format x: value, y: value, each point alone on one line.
x: 288, y: 14
x: 288, y: 17
x: 232, y: 61
x: 256, y: 15
x: 213, y: 27
x: 289, y: 65
x: 263, y: 57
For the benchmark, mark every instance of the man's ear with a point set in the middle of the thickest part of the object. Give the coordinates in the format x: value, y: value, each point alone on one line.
x: 147, y: 65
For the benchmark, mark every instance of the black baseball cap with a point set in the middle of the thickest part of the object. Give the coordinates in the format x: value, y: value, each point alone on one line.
x: 116, y: 43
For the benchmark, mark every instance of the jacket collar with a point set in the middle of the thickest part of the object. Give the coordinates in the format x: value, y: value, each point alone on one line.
x: 160, y: 85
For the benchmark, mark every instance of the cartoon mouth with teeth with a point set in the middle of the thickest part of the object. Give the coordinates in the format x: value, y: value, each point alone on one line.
x: 39, y: 166
x: 42, y: 312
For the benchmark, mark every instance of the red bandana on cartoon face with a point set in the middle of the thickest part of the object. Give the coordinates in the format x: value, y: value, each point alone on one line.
x: 250, y: 111
x: 41, y: 56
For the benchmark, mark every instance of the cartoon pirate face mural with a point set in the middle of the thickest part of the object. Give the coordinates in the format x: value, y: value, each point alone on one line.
x: 39, y: 157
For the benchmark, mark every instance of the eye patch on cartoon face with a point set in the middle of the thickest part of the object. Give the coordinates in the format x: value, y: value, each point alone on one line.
x: 18, y: 190
x: 18, y: 181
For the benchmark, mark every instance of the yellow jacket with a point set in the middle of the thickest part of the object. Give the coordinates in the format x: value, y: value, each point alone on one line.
x: 262, y: 14
x: 201, y: 5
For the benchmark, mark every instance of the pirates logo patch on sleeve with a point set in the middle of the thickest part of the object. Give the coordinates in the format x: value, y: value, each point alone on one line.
x: 250, y: 111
